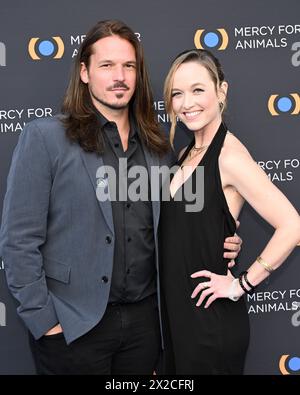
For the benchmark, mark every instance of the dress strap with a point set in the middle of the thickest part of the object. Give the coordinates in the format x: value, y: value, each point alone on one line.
x: 186, y: 152
x: 216, y: 145
x: 222, y: 132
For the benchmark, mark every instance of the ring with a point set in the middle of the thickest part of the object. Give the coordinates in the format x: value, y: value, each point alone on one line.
x: 205, y: 285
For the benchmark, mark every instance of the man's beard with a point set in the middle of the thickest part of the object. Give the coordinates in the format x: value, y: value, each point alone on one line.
x: 112, y: 106
x: 118, y: 84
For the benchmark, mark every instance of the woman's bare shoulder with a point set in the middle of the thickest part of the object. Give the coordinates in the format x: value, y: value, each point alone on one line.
x: 233, y: 148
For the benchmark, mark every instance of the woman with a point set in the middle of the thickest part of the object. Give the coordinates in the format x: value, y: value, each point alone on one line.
x: 206, y: 321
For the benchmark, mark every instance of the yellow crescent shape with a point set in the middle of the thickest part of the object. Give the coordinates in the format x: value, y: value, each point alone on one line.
x: 31, y: 48
x: 197, y: 38
x: 271, y: 105
x: 61, y: 47
x: 224, y: 39
x: 282, y: 364
x: 297, y: 103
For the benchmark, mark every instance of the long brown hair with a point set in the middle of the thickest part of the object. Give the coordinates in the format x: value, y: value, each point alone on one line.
x: 206, y: 59
x: 81, y: 122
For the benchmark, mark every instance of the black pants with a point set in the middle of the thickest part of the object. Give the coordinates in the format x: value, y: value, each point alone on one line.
x: 126, y: 341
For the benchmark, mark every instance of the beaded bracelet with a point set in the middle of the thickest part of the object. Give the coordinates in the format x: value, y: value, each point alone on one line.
x: 247, y: 291
x: 252, y: 287
x: 243, y: 276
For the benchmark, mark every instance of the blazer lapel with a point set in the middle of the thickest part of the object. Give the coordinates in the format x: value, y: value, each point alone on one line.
x: 92, y: 162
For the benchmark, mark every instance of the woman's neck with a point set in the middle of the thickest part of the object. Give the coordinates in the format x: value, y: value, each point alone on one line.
x: 205, y: 136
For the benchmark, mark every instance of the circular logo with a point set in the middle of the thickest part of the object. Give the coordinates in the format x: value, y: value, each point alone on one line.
x: 211, y: 39
x: 284, y: 104
x: 217, y: 39
x: 46, y: 48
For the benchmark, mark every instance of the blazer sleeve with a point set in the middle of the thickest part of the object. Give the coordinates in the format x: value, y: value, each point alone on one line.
x: 24, y: 230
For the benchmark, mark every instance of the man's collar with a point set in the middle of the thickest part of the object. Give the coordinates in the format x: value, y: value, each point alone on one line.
x: 102, y: 120
x: 105, y: 122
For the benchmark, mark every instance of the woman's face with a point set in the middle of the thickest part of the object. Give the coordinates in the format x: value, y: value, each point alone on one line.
x: 194, y: 97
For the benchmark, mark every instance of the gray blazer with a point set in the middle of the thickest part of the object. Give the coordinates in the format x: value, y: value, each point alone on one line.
x: 57, y: 239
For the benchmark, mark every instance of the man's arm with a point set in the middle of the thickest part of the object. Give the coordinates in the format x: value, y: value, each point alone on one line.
x: 24, y: 228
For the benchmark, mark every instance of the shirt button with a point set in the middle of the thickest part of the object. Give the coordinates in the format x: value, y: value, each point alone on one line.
x: 129, y: 239
x: 128, y: 271
x: 104, y: 279
x: 108, y: 239
x: 128, y: 205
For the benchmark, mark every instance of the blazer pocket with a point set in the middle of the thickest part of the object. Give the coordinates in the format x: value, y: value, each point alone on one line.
x: 57, y: 271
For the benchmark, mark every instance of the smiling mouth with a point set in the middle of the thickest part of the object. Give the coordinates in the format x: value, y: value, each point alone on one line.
x: 191, y: 115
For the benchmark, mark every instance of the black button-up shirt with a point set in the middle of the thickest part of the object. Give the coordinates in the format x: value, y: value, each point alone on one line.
x: 134, y: 272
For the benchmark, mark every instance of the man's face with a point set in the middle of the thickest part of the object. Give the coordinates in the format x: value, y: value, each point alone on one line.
x: 111, y: 75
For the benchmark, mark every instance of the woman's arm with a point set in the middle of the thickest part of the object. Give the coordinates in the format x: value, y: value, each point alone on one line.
x: 240, y: 171
x: 243, y: 173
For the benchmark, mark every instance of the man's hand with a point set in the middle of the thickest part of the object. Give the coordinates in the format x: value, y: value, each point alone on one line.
x: 233, y: 244
x: 54, y: 331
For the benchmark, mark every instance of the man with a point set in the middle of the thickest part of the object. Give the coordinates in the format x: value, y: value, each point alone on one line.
x: 83, y: 269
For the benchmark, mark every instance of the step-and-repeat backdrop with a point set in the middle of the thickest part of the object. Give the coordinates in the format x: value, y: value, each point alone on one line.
x: 258, y: 44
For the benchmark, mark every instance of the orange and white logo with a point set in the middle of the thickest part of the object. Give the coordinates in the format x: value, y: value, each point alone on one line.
x: 53, y: 48
x: 217, y: 39
x: 289, y: 104
x: 289, y: 365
